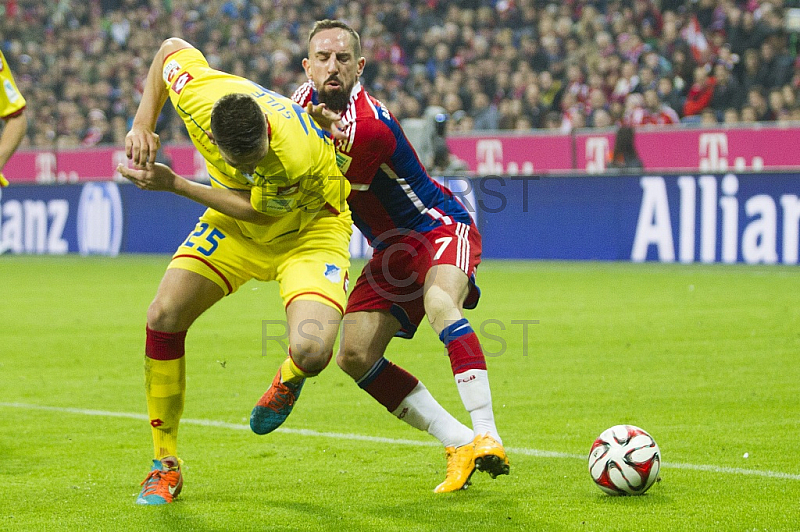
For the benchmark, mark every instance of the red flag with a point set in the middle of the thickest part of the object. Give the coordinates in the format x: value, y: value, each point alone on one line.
x: 693, y: 35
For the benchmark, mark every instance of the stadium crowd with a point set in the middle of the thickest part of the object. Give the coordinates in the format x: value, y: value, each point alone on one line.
x: 492, y: 64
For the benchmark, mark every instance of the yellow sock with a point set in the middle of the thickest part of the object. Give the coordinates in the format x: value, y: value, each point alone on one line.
x: 165, y: 389
x: 291, y: 373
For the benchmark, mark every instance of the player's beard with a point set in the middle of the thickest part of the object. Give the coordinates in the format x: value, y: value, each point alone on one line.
x: 335, y: 99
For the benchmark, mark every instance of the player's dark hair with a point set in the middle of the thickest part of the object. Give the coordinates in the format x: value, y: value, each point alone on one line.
x: 328, y: 24
x: 238, y: 125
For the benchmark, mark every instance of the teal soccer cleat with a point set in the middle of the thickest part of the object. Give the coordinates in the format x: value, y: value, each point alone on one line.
x: 275, y: 405
x: 163, y: 483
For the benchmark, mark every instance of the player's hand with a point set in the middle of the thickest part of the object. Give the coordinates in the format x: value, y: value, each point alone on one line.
x: 153, y: 177
x: 141, y: 145
x: 327, y: 119
x: 3, y: 180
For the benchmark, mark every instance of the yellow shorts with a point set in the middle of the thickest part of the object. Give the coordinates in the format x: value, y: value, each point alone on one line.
x: 311, y: 264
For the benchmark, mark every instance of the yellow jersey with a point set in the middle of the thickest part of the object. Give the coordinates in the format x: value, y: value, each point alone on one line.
x: 11, y: 101
x: 299, y: 176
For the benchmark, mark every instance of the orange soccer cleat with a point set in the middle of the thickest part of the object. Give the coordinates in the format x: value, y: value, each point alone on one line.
x: 490, y: 456
x: 163, y: 483
x: 275, y: 405
x: 460, y: 466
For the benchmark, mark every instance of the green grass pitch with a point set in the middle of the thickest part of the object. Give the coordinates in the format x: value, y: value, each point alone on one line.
x: 704, y: 357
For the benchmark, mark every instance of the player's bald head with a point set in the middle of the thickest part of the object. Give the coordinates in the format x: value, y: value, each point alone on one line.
x: 329, y: 24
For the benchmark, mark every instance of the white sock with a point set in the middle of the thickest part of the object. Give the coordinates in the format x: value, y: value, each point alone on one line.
x: 420, y: 410
x: 473, y: 387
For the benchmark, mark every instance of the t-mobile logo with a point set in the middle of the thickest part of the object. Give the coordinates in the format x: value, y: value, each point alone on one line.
x: 596, y: 154
x: 490, y: 157
x: 713, y: 152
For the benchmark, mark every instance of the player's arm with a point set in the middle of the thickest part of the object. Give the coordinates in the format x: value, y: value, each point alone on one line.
x: 142, y: 143
x: 13, y: 133
x: 373, y: 145
x: 234, y: 203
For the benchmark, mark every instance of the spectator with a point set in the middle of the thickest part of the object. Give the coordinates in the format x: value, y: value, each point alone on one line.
x: 749, y: 72
x: 726, y: 57
x: 509, y: 111
x: 550, y: 90
x: 617, y: 112
x: 658, y: 113
x: 742, y: 33
x: 446, y: 163
x: 532, y: 106
x: 572, y: 113
x: 419, y: 54
x: 683, y: 68
x: 523, y: 123
x: 485, y: 113
x: 597, y: 102
x: 668, y: 95
x: 119, y: 129
x: 727, y: 90
x: 777, y: 105
x: 774, y: 69
x: 748, y: 115
x: 625, y: 155
x: 575, y: 83
x: 700, y: 94
x: 465, y: 124
x: 730, y: 116
x: 789, y: 96
x: 532, y: 53
x: 576, y: 121
x: 671, y: 40
x: 647, y: 80
x: 635, y: 112
x: 627, y: 82
x: 655, y: 62
x: 601, y: 119
x: 553, y: 121
x: 708, y: 118
x: 756, y: 100
x: 99, y: 130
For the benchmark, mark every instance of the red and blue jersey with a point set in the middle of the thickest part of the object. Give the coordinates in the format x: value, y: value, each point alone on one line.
x: 391, y: 192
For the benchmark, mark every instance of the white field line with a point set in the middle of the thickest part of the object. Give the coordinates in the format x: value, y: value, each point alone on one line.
x: 394, y: 441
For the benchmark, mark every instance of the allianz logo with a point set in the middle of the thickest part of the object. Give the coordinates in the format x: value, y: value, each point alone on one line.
x: 48, y: 226
x: 709, y: 221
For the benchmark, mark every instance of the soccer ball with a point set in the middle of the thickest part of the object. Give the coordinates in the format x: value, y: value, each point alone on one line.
x: 624, y: 460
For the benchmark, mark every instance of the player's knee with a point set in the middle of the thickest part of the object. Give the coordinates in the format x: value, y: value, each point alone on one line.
x: 157, y: 316
x: 161, y: 316
x: 312, y: 356
x: 353, y: 361
x: 439, y: 305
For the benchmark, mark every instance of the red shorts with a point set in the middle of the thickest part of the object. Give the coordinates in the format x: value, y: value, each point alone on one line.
x: 394, y: 278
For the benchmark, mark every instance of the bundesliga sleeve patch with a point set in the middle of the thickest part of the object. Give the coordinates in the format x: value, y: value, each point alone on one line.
x: 11, y: 92
x: 170, y: 69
